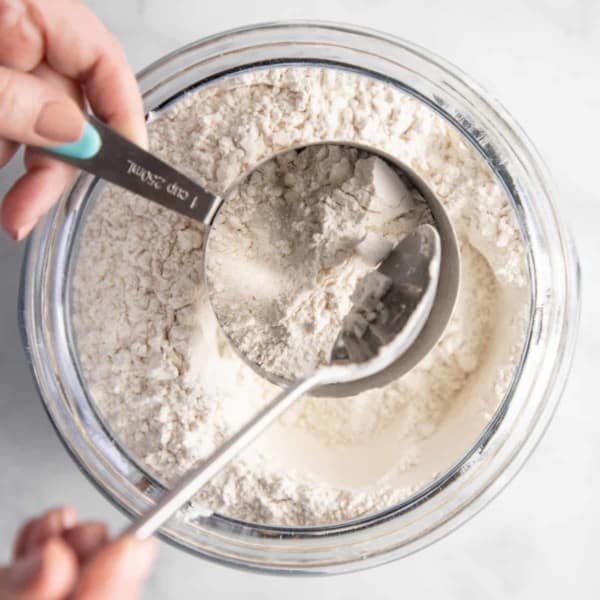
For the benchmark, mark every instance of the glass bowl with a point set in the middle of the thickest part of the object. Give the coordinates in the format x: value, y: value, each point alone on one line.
x: 501, y: 449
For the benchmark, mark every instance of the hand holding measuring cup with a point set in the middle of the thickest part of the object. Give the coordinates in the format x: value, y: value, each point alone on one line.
x: 48, y: 69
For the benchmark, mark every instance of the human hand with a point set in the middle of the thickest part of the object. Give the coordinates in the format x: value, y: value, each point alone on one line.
x: 53, y: 57
x: 56, y: 557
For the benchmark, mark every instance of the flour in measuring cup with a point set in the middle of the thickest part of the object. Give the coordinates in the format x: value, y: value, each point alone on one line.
x: 290, y: 245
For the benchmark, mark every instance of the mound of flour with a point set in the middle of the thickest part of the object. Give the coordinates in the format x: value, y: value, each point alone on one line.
x: 289, y: 247
x: 168, y: 382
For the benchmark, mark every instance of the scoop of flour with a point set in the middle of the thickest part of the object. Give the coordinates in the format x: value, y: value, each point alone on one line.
x: 289, y: 247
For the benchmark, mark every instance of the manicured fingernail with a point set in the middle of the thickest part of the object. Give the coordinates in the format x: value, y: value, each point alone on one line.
x: 60, y: 121
x: 84, y: 148
x: 24, y: 570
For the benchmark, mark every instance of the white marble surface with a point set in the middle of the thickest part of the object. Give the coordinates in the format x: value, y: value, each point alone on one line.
x: 538, y: 539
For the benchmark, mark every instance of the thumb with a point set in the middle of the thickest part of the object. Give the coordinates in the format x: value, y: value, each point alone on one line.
x: 36, y: 113
x: 118, y: 571
x: 47, y: 573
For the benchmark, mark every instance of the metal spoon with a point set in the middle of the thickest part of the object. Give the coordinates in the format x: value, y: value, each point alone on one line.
x: 391, y: 306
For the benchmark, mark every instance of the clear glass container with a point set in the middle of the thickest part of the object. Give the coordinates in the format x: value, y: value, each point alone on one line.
x: 501, y: 449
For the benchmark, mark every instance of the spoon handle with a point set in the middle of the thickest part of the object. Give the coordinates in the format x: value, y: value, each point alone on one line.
x: 104, y: 153
x: 194, y: 479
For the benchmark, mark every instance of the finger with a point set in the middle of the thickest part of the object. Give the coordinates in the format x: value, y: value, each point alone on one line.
x: 32, y: 196
x: 35, y: 112
x: 118, y: 570
x: 7, y: 151
x: 47, y: 573
x: 90, y: 54
x: 52, y: 523
x: 21, y: 39
x: 66, y: 516
x: 34, y: 193
x: 59, y: 82
x: 22, y: 537
x: 86, y: 539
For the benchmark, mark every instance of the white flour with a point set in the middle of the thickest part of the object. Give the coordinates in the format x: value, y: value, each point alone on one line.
x: 172, y: 388
x: 289, y: 247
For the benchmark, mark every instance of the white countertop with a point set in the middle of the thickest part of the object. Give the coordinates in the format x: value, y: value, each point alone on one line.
x: 537, y: 540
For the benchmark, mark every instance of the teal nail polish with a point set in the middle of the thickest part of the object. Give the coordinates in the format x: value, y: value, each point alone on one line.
x: 85, y: 147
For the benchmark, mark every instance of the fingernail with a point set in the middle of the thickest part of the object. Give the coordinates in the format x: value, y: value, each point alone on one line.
x: 69, y: 517
x: 60, y: 121
x: 23, y: 571
x: 24, y: 230
x: 135, y: 131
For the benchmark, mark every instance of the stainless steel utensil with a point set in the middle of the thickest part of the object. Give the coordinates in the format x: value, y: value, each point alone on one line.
x: 392, y: 312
